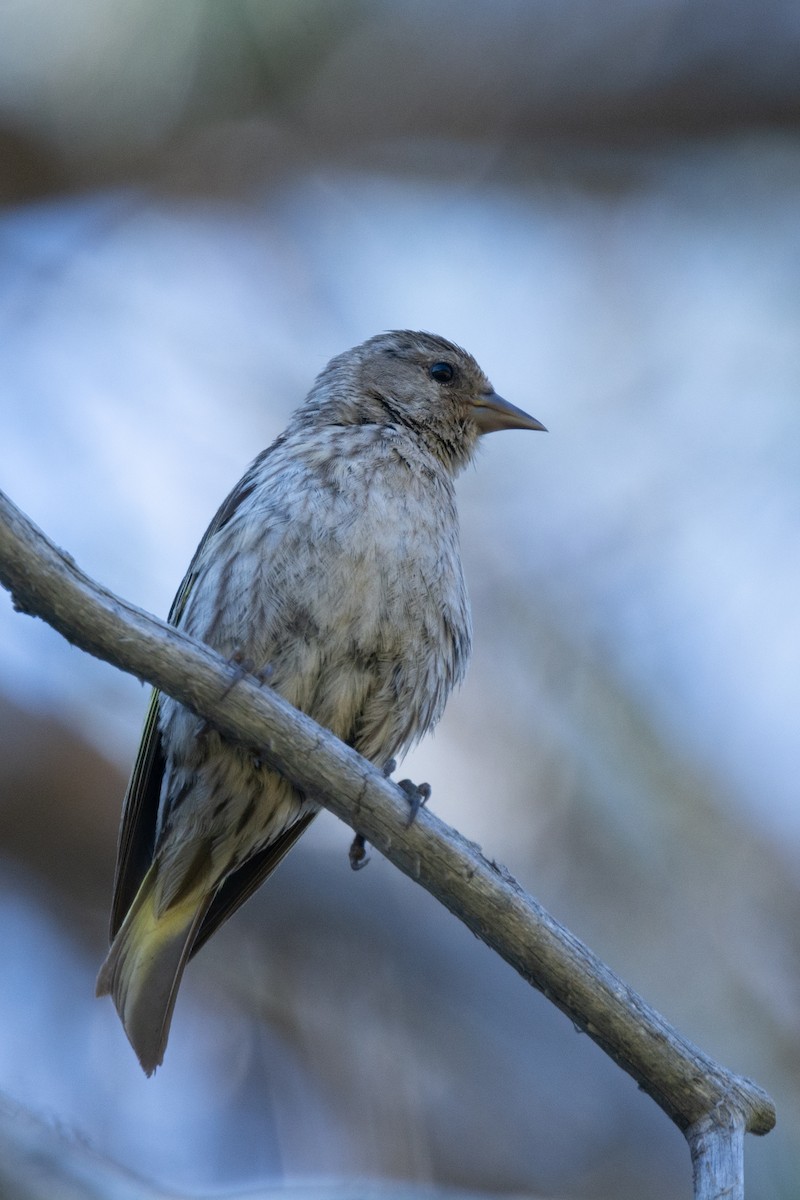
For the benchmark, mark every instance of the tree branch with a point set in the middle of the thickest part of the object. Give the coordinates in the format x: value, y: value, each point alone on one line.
x: 712, y: 1106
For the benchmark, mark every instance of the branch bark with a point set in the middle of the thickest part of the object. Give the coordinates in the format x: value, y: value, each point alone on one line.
x: 712, y: 1106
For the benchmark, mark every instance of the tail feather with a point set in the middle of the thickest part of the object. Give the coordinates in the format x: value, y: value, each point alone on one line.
x: 145, y: 964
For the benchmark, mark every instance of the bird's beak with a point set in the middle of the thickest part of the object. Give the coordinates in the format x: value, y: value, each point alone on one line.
x: 492, y: 412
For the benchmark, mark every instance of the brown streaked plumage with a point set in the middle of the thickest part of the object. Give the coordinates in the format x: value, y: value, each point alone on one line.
x: 333, y: 566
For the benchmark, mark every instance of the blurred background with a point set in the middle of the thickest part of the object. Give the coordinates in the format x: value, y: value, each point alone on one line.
x: 201, y: 203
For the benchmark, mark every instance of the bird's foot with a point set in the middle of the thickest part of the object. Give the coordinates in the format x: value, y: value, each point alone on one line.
x: 358, y: 852
x: 417, y: 795
x: 242, y: 666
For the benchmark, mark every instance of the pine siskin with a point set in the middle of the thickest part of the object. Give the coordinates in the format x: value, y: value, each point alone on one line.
x: 333, y: 568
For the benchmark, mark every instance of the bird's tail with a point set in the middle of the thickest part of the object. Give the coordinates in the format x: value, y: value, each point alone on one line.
x: 145, y: 964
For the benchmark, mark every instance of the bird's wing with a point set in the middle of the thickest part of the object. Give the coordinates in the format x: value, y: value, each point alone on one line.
x: 140, y: 807
x: 139, y: 814
x: 240, y: 884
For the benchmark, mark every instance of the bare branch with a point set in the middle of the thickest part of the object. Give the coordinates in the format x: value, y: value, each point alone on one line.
x: 711, y: 1105
x: 716, y: 1143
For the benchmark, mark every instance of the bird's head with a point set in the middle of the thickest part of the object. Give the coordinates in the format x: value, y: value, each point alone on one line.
x: 422, y: 382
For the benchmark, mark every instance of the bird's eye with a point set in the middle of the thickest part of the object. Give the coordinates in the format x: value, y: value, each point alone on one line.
x: 442, y: 372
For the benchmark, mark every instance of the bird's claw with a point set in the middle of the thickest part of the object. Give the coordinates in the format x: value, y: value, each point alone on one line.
x: 416, y: 795
x: 358, y: 852
x: 243, y: 666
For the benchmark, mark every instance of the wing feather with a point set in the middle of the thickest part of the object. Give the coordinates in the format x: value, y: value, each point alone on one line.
x: 140, y: 807
x: 240, y: 884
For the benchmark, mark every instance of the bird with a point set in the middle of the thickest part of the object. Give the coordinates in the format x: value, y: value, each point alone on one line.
x: 333, y: 572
